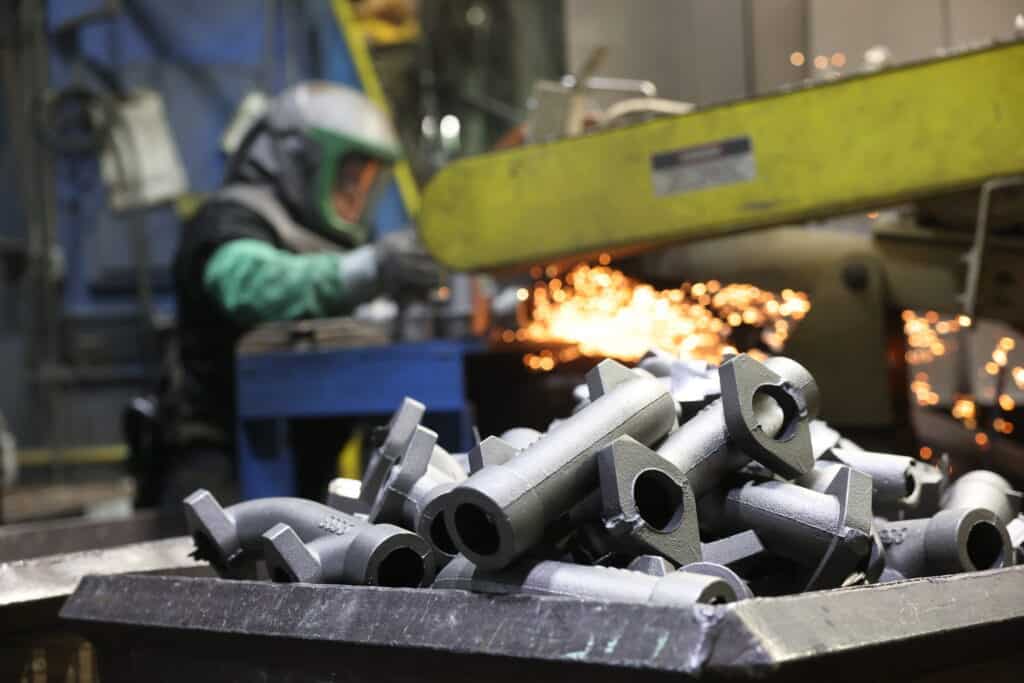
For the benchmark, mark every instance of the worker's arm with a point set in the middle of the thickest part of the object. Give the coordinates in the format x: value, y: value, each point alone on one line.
x: 254, y: 282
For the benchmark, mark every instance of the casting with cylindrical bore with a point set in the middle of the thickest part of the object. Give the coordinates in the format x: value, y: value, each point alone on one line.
x: 605, y: 584
x: 763, y: 414
x: 738, y: 585
x: 502, y: 511
x: 961, y: 540
x: 225, y: 536
x: 984, y: 489
x: 391, y: 442
x: 353, y: 552
x: 412, y: 493
x: 646, y: 503
x: 828, y: 532
x: 901, y: 485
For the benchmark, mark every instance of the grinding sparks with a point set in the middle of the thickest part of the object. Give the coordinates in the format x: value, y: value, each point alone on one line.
x: 601, y: 312
x: 929, y: 336
x: 924, y: 335
x: 1002, y: 426
x: 964, y: 409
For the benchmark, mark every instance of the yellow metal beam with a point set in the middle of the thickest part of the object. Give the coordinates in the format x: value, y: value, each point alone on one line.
x: 855, y: 143
x: 74, y: 455
x: 356, y: 41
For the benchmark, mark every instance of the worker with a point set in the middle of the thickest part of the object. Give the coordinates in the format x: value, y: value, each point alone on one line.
x: 285, y: 239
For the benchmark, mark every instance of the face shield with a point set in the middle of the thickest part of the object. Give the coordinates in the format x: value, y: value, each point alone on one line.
x: 358, y: 180
x: 350, y: 179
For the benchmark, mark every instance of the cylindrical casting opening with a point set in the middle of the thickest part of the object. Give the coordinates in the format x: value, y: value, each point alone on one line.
x: 659, y: 500
x: 402, y: 568
x: 775, y: 410
x: 440, y: 537
x: 909, y: 484
x: 476, y: 529
x: 984, y: 545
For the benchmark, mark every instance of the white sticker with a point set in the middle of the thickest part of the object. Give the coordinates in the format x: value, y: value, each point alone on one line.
x: 704, y: 166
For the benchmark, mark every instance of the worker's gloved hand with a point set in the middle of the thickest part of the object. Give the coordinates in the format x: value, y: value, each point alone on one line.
x: 403, y: 263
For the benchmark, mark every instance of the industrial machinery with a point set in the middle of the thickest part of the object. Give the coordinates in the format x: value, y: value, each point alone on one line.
x: 921, y: 138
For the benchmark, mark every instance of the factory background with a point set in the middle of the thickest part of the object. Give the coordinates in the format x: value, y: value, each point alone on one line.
x: 891, y: 278
x: 76, y: 349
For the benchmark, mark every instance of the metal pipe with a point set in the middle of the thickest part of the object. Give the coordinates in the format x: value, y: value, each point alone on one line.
x: 352, y: 552
x: 501, y: 511
x: 951, y: 541
x: 606, y: 584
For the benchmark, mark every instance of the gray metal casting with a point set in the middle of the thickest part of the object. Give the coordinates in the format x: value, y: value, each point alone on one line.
x: 655, y: 565
x: 353, y: 551
x: 520, y: 437
x: 828, y: 532
x: 606, y: 584
x: 392, y: 440
x: 763, y: 414
x: 891, y: 478
x: 959, y: 540
x: 901, y: 486
x: 412, y: 494
x: 501, y: 511
x: 647, y: 505
x: 694, y: 384
x: 743, y: 552
x: 1015, y: 530
x: 497, y: 450
x: 738, y: 585
x: 491, y: 451
x: 984, y: 489
x: 225, y: 536
x: 823, y: 438
x: 652, y: 565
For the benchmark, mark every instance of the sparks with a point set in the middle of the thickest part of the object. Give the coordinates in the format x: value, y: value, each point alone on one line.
x: 601, y: 312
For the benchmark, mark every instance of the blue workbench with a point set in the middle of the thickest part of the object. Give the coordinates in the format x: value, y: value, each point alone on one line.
x: 276, y: 387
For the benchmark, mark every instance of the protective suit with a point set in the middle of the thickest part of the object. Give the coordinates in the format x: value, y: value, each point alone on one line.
x: 284, y: 239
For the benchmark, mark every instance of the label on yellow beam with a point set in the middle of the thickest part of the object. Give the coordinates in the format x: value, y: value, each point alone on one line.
x: 856, y: 143
x: 703, y: 166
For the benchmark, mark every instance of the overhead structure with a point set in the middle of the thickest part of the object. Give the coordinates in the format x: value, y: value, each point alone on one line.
x: 855, y: 143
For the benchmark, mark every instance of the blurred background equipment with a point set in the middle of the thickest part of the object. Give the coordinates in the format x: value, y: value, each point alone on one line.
x: 90, y: 316
x: 670, y: 185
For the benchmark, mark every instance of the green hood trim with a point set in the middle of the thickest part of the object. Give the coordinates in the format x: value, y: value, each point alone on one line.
x: 333, y: 147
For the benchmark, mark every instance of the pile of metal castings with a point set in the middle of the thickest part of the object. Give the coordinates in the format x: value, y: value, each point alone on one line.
x: 671, y: 484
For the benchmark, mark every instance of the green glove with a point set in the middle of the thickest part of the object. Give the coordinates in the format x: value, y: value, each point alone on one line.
x: 254, y: 282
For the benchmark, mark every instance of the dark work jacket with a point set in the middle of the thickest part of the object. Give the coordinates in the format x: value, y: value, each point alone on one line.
x: 198, y: 386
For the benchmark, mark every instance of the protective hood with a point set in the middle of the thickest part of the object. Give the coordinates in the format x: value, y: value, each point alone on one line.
x: 297, y: 146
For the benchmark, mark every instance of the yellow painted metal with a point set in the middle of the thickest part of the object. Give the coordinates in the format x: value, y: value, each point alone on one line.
x: 856, y: 143
x: 74, y: 455
x: 356, y: 41
x: 350, y: 457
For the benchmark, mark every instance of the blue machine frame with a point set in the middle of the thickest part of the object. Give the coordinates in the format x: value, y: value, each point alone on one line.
x: 274, y: 388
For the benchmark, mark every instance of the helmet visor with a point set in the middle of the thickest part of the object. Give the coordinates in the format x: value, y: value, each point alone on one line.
x: 356, y: 179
